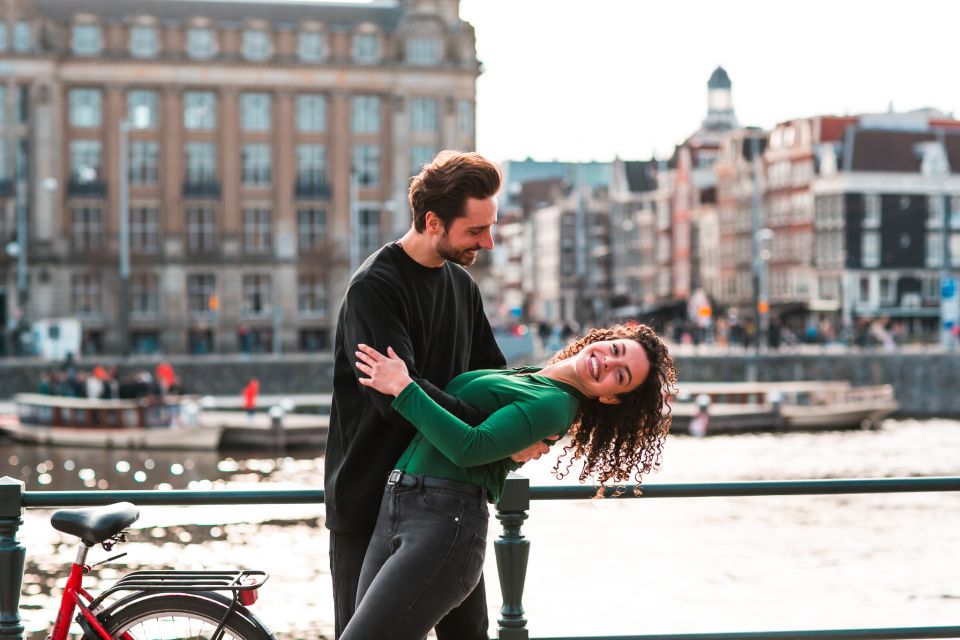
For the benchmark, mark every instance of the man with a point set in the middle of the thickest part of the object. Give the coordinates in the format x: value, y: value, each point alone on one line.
x: 412, y: 295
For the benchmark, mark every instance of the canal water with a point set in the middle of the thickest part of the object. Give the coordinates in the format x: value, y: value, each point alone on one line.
x: 597, y: 567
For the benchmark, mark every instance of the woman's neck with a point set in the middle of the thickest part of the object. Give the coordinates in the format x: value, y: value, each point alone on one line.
x: 563, y: 371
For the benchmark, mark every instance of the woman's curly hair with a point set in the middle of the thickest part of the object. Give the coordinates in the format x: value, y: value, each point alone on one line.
x: 618, y: 442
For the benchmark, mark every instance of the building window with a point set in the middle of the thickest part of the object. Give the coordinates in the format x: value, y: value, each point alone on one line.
x: 366, y: 48
x: 864, y: 290
x: 201, y: 230
x: 22, y: 37
x: 201, y: 290
x: 934, y: 249
x: 871, y: 216
x: 311, y: 114
x: 256, y: 45
x: 256, y: 164
x: 465, y: 117
x: 423, y: 51
x: 257, y: 234
x: 143, y: 42
x: 144, y: 295
x: 142, y: 108
x: 368, y: 233
x: 86, y: 294
x: 366, y: 164
x: 954, y: 249
x: 935, y: 212
x: 365, y: 114
x: 144, y: 230
x: 255, y: 111
x: 86, y: 228
x: 199, y: 110
x: 201, y: 163
x: 311, y: 225
x: 423, y: 115
x: 84, y: 161
x: 311, y: 296
x: 85, y: 108
x: 870, y: 249
x: 3, y: 35
x: 3, y: 167
x: 311, y: 165
x: 144, y: 163
x: 311, y: 46
x: 930, y: 288
x: 201, y: 44
x: 3, y: 103
x: 87, y: 40
x: 888, y: 291
x: 420, y: 154
x: 256, y: 295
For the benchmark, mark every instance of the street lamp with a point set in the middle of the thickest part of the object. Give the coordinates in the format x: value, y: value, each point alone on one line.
x: 761, y: 241
x: 141, y: 117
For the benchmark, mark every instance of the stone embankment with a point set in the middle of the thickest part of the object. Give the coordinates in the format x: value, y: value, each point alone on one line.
x: 926, y: 384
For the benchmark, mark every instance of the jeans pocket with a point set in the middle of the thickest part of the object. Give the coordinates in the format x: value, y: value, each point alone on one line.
x: 442, y: 503
x: 473, y: 564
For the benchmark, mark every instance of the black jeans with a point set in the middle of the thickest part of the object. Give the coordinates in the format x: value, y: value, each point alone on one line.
x: 425, y: 560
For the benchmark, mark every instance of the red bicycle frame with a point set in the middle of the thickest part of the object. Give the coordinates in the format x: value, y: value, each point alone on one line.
x: 73, y: 598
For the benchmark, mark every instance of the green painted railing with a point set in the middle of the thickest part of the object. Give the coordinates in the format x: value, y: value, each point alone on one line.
x: 512, y: 548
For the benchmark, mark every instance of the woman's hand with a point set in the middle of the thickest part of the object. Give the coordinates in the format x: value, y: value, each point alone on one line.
x: 386, y: 373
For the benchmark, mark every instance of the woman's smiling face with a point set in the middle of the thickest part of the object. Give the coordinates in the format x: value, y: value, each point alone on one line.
x: 610, y: 368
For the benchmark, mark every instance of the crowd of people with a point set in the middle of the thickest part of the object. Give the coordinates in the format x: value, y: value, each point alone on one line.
x: 104, y: 382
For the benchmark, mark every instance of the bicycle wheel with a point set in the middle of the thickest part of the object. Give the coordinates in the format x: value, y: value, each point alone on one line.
x: 175, y: 616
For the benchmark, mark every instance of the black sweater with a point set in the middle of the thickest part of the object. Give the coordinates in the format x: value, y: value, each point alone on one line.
x: 433, y: 318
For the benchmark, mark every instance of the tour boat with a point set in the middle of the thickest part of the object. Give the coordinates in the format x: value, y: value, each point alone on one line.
x: 144, y: 423
x: 704, y: 407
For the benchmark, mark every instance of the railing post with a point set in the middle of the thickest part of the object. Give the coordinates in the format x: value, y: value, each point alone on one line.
x: 12, y: 555
x: 512, y: 551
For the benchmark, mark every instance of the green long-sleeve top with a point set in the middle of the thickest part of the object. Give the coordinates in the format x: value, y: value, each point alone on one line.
x: 523, y: 407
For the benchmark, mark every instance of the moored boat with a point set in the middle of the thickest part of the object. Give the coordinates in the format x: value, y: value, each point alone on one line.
x: 143, y: 423
x: 771, y: 406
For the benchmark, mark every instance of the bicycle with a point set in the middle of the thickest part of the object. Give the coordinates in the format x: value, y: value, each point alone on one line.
x: 148, y: 605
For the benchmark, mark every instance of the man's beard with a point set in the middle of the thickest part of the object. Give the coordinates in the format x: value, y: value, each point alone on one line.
x: 463, y: 257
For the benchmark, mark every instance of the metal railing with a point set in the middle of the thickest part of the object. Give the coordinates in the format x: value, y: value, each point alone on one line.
x: 512, y: 549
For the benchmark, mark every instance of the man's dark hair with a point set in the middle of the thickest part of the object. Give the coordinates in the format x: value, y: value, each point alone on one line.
x: 444, y: 185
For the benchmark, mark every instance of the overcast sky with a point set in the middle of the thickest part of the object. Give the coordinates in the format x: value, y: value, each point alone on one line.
x: 589, y: 79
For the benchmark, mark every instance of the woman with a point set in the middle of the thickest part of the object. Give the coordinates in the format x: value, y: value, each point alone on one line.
x: 607, y: 390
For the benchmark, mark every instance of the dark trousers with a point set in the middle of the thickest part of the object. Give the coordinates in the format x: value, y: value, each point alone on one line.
x: 423, y: 569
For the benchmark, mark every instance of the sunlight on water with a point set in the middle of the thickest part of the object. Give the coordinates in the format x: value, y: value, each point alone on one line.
x: 599, y: 567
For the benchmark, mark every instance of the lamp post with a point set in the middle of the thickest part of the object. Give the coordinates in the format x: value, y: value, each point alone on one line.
x: 141, y: 116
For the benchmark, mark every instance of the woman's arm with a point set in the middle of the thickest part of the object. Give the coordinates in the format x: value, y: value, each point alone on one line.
x: 507, y: 430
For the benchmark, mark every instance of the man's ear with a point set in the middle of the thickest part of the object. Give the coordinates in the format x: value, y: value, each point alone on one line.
x: 433, y: 222
x: 609, y: 399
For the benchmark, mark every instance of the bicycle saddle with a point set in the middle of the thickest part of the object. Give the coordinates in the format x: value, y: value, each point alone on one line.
x: 95, y: 524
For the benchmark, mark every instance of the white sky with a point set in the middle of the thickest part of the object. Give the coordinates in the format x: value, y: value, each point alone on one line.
x: 588, y: 79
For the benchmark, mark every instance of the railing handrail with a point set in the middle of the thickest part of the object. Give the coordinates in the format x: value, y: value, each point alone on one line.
x: 512, y: 548
x: 188, y: 497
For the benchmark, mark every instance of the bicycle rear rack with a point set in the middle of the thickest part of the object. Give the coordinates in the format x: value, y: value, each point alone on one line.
x: 241, y: 583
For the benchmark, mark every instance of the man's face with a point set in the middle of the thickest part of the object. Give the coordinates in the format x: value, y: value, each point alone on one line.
x: 469, y: 233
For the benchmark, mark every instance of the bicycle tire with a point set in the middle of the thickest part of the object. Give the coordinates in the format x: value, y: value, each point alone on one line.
x: 172, y: 616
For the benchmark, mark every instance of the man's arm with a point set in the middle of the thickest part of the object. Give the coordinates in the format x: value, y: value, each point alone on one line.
x: 373, y: 315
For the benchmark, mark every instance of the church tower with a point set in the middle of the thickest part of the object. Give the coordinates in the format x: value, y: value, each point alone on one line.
x: 720, y: 115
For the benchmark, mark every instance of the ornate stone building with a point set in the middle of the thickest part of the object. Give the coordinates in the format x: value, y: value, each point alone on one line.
x: 270, y: 146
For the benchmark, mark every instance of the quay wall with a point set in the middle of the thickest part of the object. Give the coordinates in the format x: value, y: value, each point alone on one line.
x: 926, y: 384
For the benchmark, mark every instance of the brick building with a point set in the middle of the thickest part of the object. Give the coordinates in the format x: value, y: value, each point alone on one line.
x: 270, y: 147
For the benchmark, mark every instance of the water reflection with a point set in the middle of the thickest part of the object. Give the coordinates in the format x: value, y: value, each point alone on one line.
x: 66, y: 469
x: 740, y: 563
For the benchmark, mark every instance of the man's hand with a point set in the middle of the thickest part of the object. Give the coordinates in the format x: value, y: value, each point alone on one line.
x: 534, y: 451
